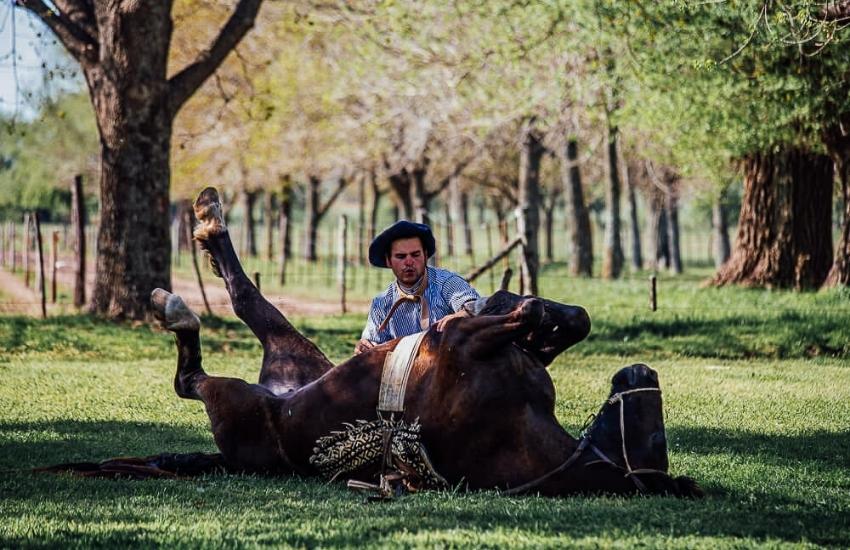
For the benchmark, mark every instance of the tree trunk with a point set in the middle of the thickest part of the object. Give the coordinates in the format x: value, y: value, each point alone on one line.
x: 838, y: 145
x: 311, y: 218
x: 529, y: 206
x: 249, y: 225
x: 269, y: 208
x: 663, y: 236
x: 361, y: 219
x: 401, y: 184
x: 467, y: 228
x: 612, y: 255
x: 133, y: 240
x: 784, y: 235
x: 78, y: 221
x: 376, y: 204
x: 720, y: 227
x: 123, y: 48
x: 634, y: 233
x: 671, y: 205
x: 581, y: 240
x: 420, y: 195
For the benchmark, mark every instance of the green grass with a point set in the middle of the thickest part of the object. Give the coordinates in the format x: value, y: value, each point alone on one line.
x: 757, y: 399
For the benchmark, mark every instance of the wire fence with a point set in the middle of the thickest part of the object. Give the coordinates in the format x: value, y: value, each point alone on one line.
x: 319, y: 282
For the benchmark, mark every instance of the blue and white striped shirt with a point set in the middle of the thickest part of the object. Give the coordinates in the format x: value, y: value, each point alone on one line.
x: 446, y: 294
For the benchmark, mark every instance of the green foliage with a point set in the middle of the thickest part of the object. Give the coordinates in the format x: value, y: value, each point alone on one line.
x: 715, y: 81
x: 765, y: 437
x: 40, y: 157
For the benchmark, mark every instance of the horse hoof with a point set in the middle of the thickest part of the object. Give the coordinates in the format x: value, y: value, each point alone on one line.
x: 172, y: 312
x: 207, y: 209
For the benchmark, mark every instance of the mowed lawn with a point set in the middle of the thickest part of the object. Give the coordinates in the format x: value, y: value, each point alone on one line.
x: 756, y: 392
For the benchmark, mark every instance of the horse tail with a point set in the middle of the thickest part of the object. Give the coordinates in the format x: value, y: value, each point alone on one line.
x: 161, y: 466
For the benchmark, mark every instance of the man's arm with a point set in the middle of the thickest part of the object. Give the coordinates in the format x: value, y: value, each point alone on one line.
x: 457, y: 292
x: 369, y: 337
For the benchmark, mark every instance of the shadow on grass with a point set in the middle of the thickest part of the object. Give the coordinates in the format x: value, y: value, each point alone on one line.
x: 316, y: 514
x: 831, y: 449
x: 775, y: 335
x: 36, y: 444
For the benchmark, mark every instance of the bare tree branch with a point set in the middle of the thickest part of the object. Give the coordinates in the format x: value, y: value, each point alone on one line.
x: 341, y: 184
x: 183, y: 84
x: 79, y: 43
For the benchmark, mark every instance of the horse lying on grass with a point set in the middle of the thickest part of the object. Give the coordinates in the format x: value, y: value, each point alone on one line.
x: 478, y: 408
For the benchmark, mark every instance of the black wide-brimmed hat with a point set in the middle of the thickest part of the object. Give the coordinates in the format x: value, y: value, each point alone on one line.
x: 402, y: 229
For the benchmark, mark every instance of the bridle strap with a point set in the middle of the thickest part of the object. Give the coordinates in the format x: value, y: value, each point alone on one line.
x: 582, y: 444
x: 630, y: 472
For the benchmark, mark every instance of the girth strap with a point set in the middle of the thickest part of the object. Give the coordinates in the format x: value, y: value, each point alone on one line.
x: 397, y: 366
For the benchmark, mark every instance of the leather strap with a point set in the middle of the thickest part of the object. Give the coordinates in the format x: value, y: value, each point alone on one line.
x: 397, y: 365
x: 416, y: 297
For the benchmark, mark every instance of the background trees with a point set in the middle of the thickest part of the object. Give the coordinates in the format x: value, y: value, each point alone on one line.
x: 584, y: 107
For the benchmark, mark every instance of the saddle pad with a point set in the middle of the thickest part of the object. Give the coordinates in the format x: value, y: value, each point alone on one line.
x: 397, y: 366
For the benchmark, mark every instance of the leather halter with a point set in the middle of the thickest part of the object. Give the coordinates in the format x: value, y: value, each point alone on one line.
x: 584, y: 443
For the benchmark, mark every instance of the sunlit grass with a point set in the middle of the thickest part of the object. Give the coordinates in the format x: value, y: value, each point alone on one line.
x: 756, y: 393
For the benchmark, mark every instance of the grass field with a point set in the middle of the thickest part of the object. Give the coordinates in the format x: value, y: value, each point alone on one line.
x: 757, y: 398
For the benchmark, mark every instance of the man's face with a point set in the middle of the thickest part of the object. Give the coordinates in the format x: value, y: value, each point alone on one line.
x: 407, y: 260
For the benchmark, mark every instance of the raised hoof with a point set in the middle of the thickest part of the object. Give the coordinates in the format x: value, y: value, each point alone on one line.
x: 172, y: 312
x: 207, y: 209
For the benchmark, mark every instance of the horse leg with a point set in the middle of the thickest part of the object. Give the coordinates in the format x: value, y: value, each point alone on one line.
x: 289, y: 360
x: 487, y: 334
x: 241, y: 414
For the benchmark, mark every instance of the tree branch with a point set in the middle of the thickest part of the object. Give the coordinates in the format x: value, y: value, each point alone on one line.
x: 79, y: 43
x: 183, y: 84
x: 341, y: 183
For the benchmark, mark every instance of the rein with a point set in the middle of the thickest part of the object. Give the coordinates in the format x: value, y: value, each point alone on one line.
x: 584, y: 443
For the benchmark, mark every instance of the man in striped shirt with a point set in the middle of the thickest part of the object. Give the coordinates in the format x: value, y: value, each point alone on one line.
x: 420, y: 296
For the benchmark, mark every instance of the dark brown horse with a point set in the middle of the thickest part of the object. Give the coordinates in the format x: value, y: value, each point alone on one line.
x: 480, y: 391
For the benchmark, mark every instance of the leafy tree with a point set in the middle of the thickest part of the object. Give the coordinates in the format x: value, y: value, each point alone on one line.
x: 123, y: 51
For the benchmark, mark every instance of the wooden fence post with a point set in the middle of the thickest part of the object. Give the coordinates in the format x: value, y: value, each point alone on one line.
x: 187, y: 213
x: 27, y: 246
x: 343, y: 254
x: 13, y: 261
x: 78, y: 220
x: 653, y: 296
x: 53, y: 261
x: 42, y: 287
x: 3, y: 245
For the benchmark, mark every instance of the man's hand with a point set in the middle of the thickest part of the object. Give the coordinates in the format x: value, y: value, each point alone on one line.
x: 441, y: 324
x: 362, y: 346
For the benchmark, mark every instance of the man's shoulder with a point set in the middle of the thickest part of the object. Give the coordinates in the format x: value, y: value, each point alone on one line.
x: 387, y: 295
x: 438, y: 274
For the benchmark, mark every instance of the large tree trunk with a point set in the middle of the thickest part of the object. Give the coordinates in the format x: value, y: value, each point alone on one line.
x: 269, y: 209
x: 133, y: 241
x: 720, y: 227
x: 122, y: 48
x: 838, y: 144
x: 612, y: 254
x: 581, y: 241
x: 634, y: 226
x: 529, y: 206
x: 784, y: 235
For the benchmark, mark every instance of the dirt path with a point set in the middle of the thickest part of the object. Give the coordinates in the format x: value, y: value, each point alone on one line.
x: 16, y: 298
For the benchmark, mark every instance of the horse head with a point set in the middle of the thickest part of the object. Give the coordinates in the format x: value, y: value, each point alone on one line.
x: 629, y: 429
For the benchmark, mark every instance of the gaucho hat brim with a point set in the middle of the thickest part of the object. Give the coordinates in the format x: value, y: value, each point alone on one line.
x: 402, y: 229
